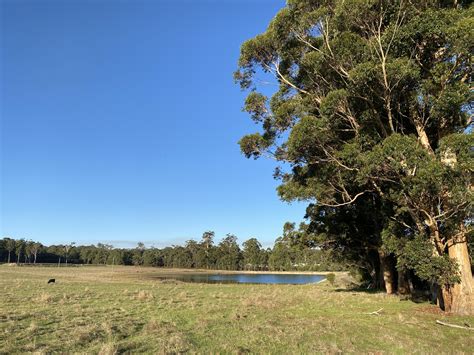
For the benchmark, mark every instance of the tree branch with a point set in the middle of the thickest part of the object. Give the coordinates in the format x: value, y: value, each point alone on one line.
x: 345, y: 203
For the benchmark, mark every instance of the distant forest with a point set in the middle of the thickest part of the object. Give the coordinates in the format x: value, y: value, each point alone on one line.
x: 292, y: 251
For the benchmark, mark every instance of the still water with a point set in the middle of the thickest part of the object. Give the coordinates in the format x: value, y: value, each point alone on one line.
x: 294, y: 279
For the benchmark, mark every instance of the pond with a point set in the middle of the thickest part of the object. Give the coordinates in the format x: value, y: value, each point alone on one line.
x: 263, y: 278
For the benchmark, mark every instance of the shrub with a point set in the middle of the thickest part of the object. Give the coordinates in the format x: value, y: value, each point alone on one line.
x: 331, y: 278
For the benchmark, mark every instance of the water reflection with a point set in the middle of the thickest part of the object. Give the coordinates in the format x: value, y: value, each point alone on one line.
x: 293, y: 279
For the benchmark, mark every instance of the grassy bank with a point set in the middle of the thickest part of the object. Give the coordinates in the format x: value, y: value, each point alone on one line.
x: 120, y: 309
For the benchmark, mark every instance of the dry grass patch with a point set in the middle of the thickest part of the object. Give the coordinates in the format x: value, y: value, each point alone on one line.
x: 32, y: 328
x: 144, y: 295
x: 44, y: 298
x: 108, y: 349
x: 176, y: 343
x: 88, y: 334
x: 153, y: 325
x: 260, y: 301
x: 167, y: 336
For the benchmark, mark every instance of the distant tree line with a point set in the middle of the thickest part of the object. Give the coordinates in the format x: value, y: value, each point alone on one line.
x: 294, y: 250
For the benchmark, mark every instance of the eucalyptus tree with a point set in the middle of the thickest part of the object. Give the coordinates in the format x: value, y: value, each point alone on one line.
x: 373, y: 103
x: 137, y: 257
x: 282, y: 255
x: 10, y: 247
x: 229, y: 253
x: 28, y: 250
x: 152, y: 257
x: 208, y: 241
x: 19, y: 249
x: 87, y: 253
x: 66, y: 251
x: 253, y: 257
x: 199, y: 253
x: 208, y: 238
x: 35, y: 248
x: 101, y: 253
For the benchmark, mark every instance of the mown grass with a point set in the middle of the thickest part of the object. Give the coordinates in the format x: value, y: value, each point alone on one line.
x: 125, y: 309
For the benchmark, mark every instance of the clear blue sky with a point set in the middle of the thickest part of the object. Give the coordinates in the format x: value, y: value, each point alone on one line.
x: 120, y: 122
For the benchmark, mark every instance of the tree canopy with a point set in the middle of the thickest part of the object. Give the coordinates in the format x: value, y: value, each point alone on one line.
x: 373, y: 114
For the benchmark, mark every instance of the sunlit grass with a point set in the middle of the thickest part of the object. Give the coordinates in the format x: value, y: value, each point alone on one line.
x: 112, y: 310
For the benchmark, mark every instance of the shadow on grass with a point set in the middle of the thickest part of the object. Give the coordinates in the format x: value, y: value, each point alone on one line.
x: 359, y: 289
x: 417, y: 297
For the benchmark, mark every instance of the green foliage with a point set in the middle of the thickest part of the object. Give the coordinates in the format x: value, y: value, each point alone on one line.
x: 253, y: 145
x: 229, y: 252
x: 297, y: 252
x: 254, y: 257
x: 331, y: 278
x: 372, y: 116
x: 417, y: 255
x: 255, y: 104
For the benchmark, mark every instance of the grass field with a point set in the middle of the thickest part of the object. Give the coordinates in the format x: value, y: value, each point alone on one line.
x: 125, y: 309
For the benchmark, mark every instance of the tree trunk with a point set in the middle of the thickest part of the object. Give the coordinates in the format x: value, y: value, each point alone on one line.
x: 387, y: 269
x: 422, y: 136
x: 379, y: 282
x: 403, y: 283
x: 374, y: 269
x: 459, y: 298
x: 9, y: 256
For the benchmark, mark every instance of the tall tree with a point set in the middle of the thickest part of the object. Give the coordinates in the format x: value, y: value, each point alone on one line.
x: 102, y: 253
x: 10, y: 246
x: 87, y: 253
x: 137, y: 256
x: 208, y: 238
x: 373, y: 103
x: 229, y: 253
x: 208, y: 241
x: 282, y: 256
x: 28, y: 250
x: 198, y: 253
x: 66, y: 250
x: 253, y: 254
x: 35, y: 249
x: 19, y: 249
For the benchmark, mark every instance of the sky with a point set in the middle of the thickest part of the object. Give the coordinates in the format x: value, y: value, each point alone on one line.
x: 120, y: 122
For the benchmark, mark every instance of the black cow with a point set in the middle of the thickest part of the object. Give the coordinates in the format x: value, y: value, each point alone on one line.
x: 51, y: 281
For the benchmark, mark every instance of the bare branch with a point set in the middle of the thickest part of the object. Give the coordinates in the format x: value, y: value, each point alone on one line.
x: 345, y: 203
x: 337, y: 161
x: 453, y: 325
x: 376, y: 313
x: 286, y: 81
